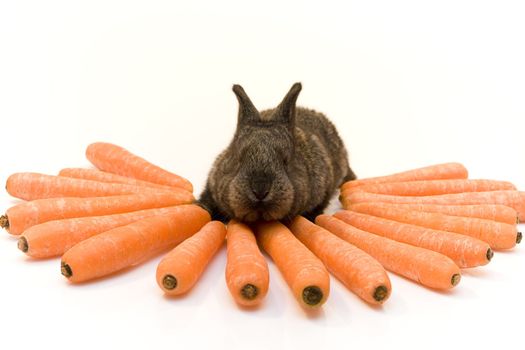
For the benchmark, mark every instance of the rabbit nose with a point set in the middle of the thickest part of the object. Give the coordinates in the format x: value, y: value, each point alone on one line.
x: 260, y: 194
x: 261, y: 189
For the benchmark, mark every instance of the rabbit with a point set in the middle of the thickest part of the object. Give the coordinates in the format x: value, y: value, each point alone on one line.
x: 281, y: 163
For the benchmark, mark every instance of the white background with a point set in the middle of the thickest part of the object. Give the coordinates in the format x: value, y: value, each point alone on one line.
x: 408, y: 84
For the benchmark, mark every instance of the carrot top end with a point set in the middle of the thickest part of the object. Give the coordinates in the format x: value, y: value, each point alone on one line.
x: 380, y: 293
x: 519, y: 236
x: 65, y: 269
x: 249, y: 292
x: 4, y: 222
x: 490, y: 254
x: 455, y: 279
x: 22, y: 244
x: 312, y: 295
x: 169, y: 282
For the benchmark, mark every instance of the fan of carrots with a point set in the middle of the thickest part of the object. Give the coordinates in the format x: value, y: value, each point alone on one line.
x: 424, y: 224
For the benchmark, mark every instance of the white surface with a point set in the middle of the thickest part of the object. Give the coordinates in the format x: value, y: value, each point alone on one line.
x: 408, y: 83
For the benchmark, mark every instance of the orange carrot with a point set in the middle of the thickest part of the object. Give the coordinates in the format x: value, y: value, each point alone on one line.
x: 31, y: 186
x: 54, y: 238
x: 498, y: 235
x: 424, y: 266
x: 433, y: 172
x: 24, y: 215
x: 434, y: 187
x: 465, y: 251
x: 125, y: 246
x: 102, y: 176
x: 303, y: 271
x: 247, y: 275
x: 358, y: 271
x: 513, y: 199
x: 495, y: 212
x: 180, y: 269
x: 114, y: 159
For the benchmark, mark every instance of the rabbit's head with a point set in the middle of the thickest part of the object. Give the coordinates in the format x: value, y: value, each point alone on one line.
x: 257, y: 169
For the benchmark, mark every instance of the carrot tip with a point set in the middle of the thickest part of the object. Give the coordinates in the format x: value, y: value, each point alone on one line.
x: 517, y: 220
x: 455, y: 279
x: 490, y: 254
x: 519, y: 236
x: 312, y: 295
x: 380, y: 293
x: 169, y: 282
x: 4, y: 222
x: 66, y: 270
x: 22, y: 244
x: 249, y: 292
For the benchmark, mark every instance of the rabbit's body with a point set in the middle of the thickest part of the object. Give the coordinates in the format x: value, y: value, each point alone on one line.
x: 282, y: 162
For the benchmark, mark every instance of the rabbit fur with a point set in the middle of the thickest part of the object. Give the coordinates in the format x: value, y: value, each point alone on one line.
x: 281, y: 162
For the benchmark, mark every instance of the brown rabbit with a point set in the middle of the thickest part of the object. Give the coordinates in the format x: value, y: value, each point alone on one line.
x: 282, y: 162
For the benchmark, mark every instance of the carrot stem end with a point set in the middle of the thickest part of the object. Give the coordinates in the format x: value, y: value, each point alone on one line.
x: 169, y: 282
x: 455, y: 279
x: 4, y: 222
x: 22, y: 244
x: 519, y: 236
x: 490, y: 254
x: 312, y: 295
x: 249, y: 292
x: 380, y: 293
x: 65, y: 269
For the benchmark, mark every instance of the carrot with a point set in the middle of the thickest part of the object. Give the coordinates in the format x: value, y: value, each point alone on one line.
x: 125, y: 246
x: 498, y: 235
x: 433, y: 187
x: 465, y: 251
x: 114, y: 159
x: 433, y: 172
x: 31, y: 186
x: 247, y: 275
x: 180, y: 269
x: 424, y: 266
x: 102, y: 176
x: 495, y: 212
x: 54, y: 238
x: 358, y: 271
x: 302, y: 270
x: 513, y: 199
x: 24, y: 215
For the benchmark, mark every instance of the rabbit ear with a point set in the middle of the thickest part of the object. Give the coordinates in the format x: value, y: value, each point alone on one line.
x: 286, y: 110
x: 247, y: 111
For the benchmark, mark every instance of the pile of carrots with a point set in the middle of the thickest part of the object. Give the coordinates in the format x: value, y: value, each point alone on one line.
x: 424, y: 224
